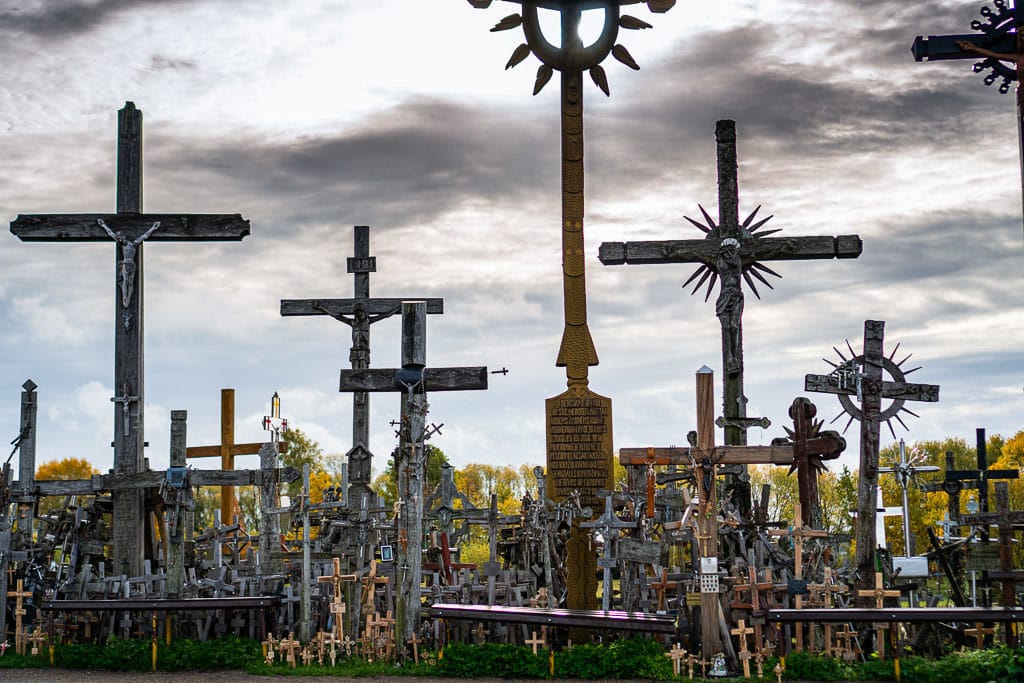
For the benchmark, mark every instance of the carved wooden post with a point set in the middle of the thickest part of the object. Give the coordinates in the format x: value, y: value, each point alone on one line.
x: 27, y: 454
x: 707, y: 523
x: 270, y: 518
x: 183, y: 524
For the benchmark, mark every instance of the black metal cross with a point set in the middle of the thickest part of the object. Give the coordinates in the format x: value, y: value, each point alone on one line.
x: 129, y: 228
x: 999, y: 42
x: 981, y: 476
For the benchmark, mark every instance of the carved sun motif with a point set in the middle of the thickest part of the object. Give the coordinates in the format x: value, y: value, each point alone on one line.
x: 855, y: 365
x: 748, y: 230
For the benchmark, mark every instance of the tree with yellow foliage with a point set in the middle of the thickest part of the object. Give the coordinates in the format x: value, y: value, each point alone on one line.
x: 66, y: 469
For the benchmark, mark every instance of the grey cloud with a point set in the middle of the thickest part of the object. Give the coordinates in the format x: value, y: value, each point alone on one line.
x: 53, y: 19
x: 421, y: 159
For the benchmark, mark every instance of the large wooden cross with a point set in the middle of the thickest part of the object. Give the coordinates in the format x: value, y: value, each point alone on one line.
x: 128, y: 229
x: 1000, y: 49
x: 226, y: 450
x: 704, y: 457
x: 359, y: 313
x: 414, y: 380
x: 861, y: 376
x: 730, y: 253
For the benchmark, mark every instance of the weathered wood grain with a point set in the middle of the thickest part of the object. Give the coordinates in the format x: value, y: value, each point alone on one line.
x: 434, y: 379
x: 84, y: 227
x: 909, y: 391
x: 332, y: 307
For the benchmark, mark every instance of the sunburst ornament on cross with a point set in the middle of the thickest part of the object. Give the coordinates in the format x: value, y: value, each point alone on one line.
x: 573, y: 55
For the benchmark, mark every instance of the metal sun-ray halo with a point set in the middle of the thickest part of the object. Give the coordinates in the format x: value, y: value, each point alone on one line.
x: 588, y: 58
x: 709, y: 274
x: 856, y: 363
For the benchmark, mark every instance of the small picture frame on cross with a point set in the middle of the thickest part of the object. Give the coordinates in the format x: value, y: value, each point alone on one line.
x: 387, y: 553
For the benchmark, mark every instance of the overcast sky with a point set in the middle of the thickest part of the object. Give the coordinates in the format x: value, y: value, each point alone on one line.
x: 312, y: 116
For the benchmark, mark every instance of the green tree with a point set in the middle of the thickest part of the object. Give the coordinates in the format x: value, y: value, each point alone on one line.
x: 385, y: 484
x: 301, y: 451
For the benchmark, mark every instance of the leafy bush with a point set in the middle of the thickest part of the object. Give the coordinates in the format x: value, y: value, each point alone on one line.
x: 492, y: 660
x: 806, y: 666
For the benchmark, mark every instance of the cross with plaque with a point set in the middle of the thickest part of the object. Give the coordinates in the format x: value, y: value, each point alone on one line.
x: 414, y: 380
x: 578, y: 421
x: 359, y: 313
x: 129, y: 228
x: 861, y: 377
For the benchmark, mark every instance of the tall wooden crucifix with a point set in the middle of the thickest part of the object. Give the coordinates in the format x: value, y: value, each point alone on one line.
x: 861, y: 376
x: 730, y: 253
x: 579, y: 421
x: 414, y: 380
x: 1000, y: 48
x: 358, y: 313
x: 129, y: 228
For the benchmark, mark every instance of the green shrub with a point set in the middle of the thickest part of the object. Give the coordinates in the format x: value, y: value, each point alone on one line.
x: 492, y: 660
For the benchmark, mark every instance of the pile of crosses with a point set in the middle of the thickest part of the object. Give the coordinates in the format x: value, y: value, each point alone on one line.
x: 685, y: 535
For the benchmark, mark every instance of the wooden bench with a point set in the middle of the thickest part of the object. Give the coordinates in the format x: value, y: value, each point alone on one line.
x: 616, y: 620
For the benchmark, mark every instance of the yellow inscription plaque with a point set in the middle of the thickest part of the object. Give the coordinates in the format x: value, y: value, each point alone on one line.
x: 579, y: 441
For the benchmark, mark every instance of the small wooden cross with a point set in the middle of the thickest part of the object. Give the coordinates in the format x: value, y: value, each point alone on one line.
x: 535, y: 642
x: 19, y: 611
x: 759, y: 661
x: 332, y: 643
x: 661, y: 586
x: 37, y: 638
x: 370, y: 583
x: 677, y: 654
x: 415, y: 641
x: 849, y: 649
x: 742, y: 630
x: 979, y: 632
x: 879, y: 594
x: 307, y: 656
x: 778, y: 673
x: 480, y: 633
x: 289, y: 645
x: 268, y: 649
x: 690, y: 661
